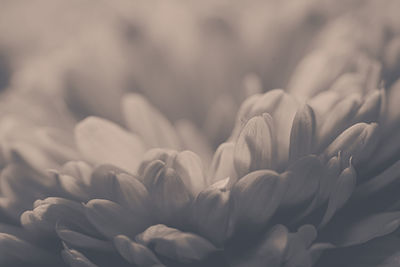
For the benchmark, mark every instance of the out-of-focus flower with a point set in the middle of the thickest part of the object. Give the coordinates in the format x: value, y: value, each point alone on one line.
x: 174, y: 53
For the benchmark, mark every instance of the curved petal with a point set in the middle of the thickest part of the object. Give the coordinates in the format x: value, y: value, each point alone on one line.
x: 101, y: 141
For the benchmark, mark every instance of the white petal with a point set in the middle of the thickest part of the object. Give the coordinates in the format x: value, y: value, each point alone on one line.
x: 144, y: 120
x: 101, y: 141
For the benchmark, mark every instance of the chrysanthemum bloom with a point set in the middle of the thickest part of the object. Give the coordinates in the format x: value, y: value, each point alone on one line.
x: 375, y: 196
x: 99, y: 140
x: 345, y: 77
x: 34, y: 135
x: 285, y: 172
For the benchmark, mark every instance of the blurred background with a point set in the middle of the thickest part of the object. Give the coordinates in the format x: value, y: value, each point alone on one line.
x: 192, y: 59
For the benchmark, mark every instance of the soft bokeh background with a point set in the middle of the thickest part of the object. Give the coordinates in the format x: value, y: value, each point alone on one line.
x: 181, y: 54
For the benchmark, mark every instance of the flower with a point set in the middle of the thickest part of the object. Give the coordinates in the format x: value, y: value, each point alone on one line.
x: 160, y: 206
x: 305, y: 178
x: 373, y: 200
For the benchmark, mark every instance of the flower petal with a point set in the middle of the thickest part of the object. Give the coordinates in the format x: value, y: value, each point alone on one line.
x: 144, y: 120
x: 76, y: 259
x: 168, y: 193
x: 255, y: 198
x: 47, y: 213
x: 174, y: 244
x: 15, y: 251
x: 190, y: 169
x: 270, y: 252
x: 81, y: 240
x: 302, y: 134
x: 255, y: 147
x: 356, y: 142
x: 135, y: 253
x: 194, y: 140
x: 303, y: 178
x: 370, y: 110
x: 379, y: 182
x: 340, y: 193
x: 111, y: 219
x: 101, y: 141
x: 340, y: 117
x: 367, y: 228
x: 210, y: 212
x: 222, y: 163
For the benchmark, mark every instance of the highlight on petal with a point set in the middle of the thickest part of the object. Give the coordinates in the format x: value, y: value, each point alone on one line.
x: 190, y: 169
x: 357, y: 142
x: 222, y: 164
x: 79, y: 170
x: 101, y: 141
x: 255, y: 146
x: 371, y: 109
x: 282, y: 108
x: 144, y: 120
x: 161, y: 154
x: 47, y: 213
x: 305, y: 85
x: 302, y: 134
x: 74, y: 180
x: 171, y: 243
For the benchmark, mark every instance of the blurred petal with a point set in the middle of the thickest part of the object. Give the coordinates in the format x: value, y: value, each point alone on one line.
x: 194, y: 140
x: 305, y: 85
x: 101, y: 141
x: 144, y: 120
x: 371, y: 109
x: 340, y: 117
